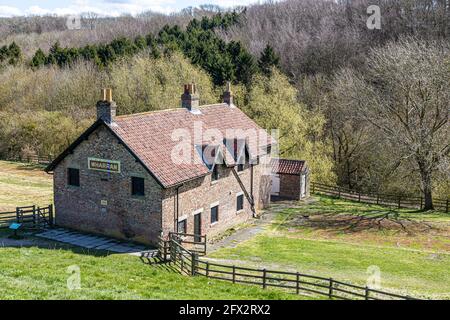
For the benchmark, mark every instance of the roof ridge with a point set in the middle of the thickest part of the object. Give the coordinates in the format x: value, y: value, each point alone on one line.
x: 286, y: 159
x: 165, y: 110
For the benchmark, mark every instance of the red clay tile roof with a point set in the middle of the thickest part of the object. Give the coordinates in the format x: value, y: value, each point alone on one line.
x: 149, y: 136
x: 286, y: 166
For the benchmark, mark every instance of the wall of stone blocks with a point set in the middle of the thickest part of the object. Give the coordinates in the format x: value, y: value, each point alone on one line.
x: 124, y: 216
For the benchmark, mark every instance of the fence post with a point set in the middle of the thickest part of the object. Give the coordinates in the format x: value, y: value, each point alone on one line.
x: 421, y: 203
x: 194, y: 257
x: 207, y: 269
x: 162, y: 247
x: 182, y: 263
x: 264, y: 278
x: 399, y: 200
x: 339, y: 192
x: 298, y: 283
x: 330, y: 288
x: 18, y: 214
x: 34, y: 214
x: 359, y: 196
x: 50, y: 215
x: 234, y: 274
x: 366, y: 293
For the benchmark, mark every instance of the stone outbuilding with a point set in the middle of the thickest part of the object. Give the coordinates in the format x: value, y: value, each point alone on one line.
x: 290, y: 179
x: 195, y: 169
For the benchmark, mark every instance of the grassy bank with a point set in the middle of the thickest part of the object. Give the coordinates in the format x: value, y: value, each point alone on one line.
x: 107, y: 277
x: 349, y: 241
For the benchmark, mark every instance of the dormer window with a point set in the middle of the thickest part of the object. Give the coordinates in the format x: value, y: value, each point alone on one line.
x: 209, y: 155
x: 237, y: 148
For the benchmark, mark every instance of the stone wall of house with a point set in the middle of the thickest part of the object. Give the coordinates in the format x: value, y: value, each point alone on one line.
x: 290, y: 186
x: 121, y: 215
x: 199, y: 195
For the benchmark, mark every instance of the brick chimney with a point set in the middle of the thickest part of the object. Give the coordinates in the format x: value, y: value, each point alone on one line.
x: 106, y: 108
x: 190, y: 99
x: 228, y: 95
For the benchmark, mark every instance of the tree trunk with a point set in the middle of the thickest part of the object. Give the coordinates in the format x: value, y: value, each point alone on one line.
x: 426, y: 187
x: 428, y: 199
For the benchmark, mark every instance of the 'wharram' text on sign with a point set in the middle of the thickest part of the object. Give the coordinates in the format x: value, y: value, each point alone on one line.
x: 104, y: 165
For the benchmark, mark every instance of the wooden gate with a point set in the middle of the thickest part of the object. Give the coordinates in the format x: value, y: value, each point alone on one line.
x: 28, y: 216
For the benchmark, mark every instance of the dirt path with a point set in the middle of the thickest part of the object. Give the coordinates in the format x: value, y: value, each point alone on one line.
x: 257, y: 226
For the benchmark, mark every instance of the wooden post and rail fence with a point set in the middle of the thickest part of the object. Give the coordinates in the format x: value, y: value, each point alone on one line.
x: 189, y: 263
x: 397, y: 201
x: 29, y: 216
x: 43, y: 160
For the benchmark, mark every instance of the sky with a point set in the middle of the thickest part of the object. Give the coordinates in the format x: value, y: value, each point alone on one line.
x: 9, y: 8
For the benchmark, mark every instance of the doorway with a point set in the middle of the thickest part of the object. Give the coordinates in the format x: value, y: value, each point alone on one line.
x: 197, y: 227
x: 275, y: 185
x: 303, y: 186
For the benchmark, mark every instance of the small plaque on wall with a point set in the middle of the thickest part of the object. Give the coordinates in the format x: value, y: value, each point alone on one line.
x: 104, y: 165
x: 104, y: 202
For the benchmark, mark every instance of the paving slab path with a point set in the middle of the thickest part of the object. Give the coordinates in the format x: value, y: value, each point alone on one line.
x: 94, y: 242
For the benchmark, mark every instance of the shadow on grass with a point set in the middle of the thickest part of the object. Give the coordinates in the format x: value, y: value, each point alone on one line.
x: 32, y: 242
x: 159, y: 263
x: 340, y: 216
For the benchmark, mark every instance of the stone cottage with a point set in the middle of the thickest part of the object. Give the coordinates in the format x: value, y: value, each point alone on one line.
x: 195, y: 169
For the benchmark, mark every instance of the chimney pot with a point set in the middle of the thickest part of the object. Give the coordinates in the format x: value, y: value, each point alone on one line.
x: 109, y: 95
x: 190, y: 98
x: 106, y: 107
x: 228, y: 95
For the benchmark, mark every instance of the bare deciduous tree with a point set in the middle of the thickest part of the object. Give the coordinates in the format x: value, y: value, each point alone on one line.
x: 404, y: 94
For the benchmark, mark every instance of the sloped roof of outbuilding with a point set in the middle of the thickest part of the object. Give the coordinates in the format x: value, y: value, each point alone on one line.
x: 287, y: 166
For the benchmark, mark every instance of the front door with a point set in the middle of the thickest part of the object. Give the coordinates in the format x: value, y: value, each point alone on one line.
x: 197, y: 227
x: 275, y: 185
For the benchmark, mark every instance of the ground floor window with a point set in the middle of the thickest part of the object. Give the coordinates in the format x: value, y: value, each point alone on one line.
x: 240, y: 202
x: 73, y: 177
x: 137, y: 186
x: 182, y: 226
x: 214, y: 214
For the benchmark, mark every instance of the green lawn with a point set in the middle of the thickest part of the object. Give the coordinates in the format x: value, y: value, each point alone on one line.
x: 342, y: 239
x: 36, y: 273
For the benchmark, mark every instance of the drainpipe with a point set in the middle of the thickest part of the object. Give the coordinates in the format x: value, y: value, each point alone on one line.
x: 251, y: 186
x: 177, y: 207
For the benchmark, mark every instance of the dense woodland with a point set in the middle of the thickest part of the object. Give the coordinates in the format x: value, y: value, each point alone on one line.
x: 368, y: 109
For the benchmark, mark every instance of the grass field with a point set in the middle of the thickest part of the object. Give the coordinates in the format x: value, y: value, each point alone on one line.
x: 348, y: 241
x: 37, y: 273
x: 22, y: 185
